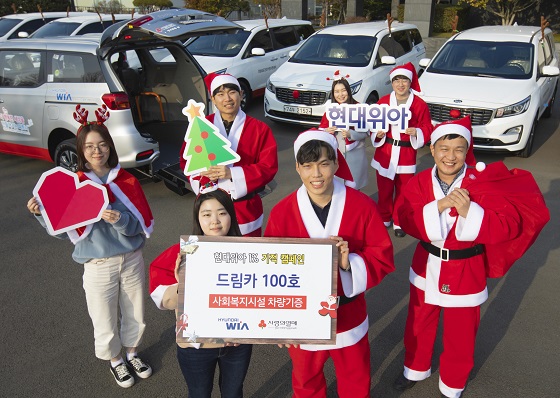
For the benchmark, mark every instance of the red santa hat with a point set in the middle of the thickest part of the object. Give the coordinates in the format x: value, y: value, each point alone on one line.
x: 215, y: 80
x: 463, y: 128
x: 343, y: 171
x: 409, y: 71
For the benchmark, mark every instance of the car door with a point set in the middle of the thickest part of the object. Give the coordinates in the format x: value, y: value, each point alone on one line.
x: 22, y: 99
x: 547, y: 84
x: 260, y: 67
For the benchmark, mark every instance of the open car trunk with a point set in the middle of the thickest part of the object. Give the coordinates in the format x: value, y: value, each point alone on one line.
x: 160, y: 77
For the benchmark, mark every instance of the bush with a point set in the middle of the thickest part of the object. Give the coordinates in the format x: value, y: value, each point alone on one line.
x: 444, y: 16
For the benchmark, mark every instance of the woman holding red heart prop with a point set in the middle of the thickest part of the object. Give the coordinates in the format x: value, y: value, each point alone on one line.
x: 111, y: 251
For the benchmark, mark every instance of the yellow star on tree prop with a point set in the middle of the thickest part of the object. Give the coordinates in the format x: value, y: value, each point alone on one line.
x: 193, y: 109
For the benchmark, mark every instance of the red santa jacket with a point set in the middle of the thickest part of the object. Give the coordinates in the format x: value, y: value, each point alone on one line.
x: 354, y: 217
x: 389, y: 159
x: 453, y: 283
x: 254, y: 143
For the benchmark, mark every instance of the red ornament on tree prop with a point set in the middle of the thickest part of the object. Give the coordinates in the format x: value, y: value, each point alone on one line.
x: 66, y: 203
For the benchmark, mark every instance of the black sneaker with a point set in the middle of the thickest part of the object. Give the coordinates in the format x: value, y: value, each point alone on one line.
x: 141, y: 368
x: 122, y: 375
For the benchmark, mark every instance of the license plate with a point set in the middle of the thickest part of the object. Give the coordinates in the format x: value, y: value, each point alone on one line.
x: 297, y: 109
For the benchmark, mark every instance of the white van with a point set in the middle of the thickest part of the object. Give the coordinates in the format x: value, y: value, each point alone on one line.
x: 299, y: 90
x: 251, y: 54
x: 80, y: 25
x: 504, y: 77
x: 43, y: 80
x: 16, y: 26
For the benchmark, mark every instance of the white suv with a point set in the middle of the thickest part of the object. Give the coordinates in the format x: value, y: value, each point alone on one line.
x: 22, y: 25
x: 504, y: 77
x: 251, y: 54
x: 299, y: 90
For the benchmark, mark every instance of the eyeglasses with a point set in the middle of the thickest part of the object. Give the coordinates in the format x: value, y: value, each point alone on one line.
x: 102, y: 148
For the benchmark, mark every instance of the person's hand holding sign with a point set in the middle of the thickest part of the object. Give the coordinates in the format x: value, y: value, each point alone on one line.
x: 343, y: 252
x: 411, y: 131
x: 217, y: 172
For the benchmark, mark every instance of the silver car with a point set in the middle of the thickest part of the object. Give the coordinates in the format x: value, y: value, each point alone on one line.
x: 42, y: 81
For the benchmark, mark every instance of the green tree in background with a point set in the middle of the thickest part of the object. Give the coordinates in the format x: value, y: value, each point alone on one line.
x: 23, y: 6
x: 147, y: 6
x: 507, y: 10
x: 219, y: 7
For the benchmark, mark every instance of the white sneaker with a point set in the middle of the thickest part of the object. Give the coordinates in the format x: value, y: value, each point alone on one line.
x: 122, y: 375
x: 141, y: 368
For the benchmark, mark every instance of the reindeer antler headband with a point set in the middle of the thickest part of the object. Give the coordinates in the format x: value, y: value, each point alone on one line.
x: 338, y: 76
x: 81, y: 114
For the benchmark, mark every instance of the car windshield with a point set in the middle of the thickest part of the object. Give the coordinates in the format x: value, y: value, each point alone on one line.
x: 56, y: 29
x: 508, y: 60
x: 323, y: 49
x: 6, y: 24
x: 224, y: 45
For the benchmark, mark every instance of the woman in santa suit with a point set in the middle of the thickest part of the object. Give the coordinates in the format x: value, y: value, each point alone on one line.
x: 111, y: 252
x: 254, y: 143
x: 395, y: 151
x: 350, y: 142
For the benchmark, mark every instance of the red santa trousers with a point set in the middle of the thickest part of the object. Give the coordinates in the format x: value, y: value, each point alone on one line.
x: 352, y: 369
x: 459, y: 334
x: 388, y: 193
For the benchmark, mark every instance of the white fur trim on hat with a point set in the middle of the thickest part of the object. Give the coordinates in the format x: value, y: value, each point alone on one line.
x: 401, y: 72
x: 309, y: 135
x: 220, y: 80
x: 451, y: 128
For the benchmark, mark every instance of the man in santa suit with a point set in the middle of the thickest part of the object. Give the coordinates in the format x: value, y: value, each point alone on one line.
x: 448, y: 269
x: 323, y: 207
x: 395, y: 151
x: 254, y: 143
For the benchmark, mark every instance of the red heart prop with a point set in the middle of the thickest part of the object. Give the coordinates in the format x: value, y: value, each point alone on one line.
x: 66, y: 203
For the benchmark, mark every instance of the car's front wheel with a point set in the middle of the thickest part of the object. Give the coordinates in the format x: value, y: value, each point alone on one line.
x: 66, y: 155
x: 372, y: 98
x: 526, y: 152
x: 246, y: 99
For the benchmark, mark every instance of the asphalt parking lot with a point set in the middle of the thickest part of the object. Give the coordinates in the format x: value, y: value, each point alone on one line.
x: 46, y: 337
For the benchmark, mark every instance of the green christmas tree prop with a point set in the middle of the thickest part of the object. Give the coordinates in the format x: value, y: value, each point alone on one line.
x: 205, y: 146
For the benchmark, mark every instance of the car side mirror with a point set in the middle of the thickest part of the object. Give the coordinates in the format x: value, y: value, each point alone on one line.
x: 424, y: 62
x: 291, y: 53
x: 257, y: 52
x: 388, y: 60
x: 550, y: 71
x: 23, y: 35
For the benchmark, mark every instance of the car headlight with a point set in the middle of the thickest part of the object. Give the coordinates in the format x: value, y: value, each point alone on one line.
x: 221, y: 71
x: 270, y: 87
x: 515, y: 109
x: 355, y: 87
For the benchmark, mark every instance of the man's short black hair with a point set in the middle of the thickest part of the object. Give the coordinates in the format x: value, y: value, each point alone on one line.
x: 311, y: 151
x: 230, y: 86
x: 449, y: 137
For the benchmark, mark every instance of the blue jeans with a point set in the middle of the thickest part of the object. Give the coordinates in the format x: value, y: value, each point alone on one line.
x: 198, y: 367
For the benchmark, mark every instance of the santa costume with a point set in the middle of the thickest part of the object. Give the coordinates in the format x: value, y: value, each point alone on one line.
x: 253, y: 141
x: 455, y: 255
x: 371, y: 258
x: 395, y: 153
